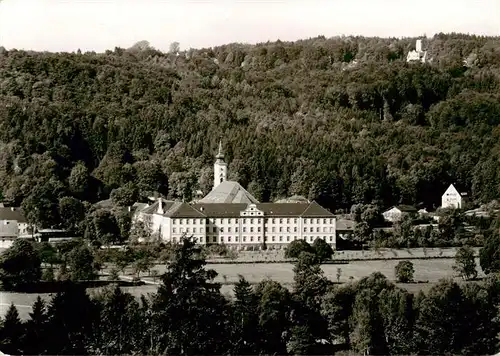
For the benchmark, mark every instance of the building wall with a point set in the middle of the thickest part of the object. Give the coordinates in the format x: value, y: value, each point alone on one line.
x: 9, y: 228
x: 418, y: 46
x: 6, y: 242
x: 245, y: 230
x: 220, y: 172
x: 23, y: 229
x: 175, y: 228
x: 451, y: 200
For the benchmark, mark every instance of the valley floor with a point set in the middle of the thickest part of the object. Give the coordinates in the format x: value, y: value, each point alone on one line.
x: 427, y: 272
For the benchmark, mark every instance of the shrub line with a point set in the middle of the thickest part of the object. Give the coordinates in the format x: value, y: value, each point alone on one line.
x: 331, y: 262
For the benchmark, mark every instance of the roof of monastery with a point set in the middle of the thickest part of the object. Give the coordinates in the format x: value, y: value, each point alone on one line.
x: 219, y: 210
x: 229, y: 192
x: 345, y: 225
x: 153, y: 208
x: 294, y: 199
x: 269, y: 209
x: 12, y: 213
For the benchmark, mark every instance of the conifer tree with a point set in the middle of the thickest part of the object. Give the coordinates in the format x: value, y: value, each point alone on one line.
x: 36, y: 328
x: 12, y: 332
x: 118, y: 323
x: 245, y: 328
x: 188, y: 307
x: 73, y: 318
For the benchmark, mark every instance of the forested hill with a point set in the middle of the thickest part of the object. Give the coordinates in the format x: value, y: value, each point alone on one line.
x: 340, y: 120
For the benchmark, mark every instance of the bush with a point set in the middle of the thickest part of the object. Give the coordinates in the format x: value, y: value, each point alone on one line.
x: 404, y: 272
x: 322, y: 249
x: 81, y: 264
x: 113, y: 275
x: 297, y: 247
x: 216, y: 250
x: 48, y: 274
x: 20, y: 265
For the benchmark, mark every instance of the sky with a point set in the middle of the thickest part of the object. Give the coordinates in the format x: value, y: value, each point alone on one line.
x: 98, y: 25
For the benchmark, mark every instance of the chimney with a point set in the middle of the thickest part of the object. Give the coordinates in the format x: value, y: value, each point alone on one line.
x: 160, y: 207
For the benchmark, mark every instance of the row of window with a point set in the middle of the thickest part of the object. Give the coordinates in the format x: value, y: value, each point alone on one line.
x: 251, y: 229
x: 249, y: 239
x: 252, y: 221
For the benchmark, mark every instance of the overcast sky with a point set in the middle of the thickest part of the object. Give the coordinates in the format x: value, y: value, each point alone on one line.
x: 57, y: 25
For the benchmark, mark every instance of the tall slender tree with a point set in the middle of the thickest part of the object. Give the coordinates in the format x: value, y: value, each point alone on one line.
x: 36, y: 329
x: 72, y: 321
x: 12, y: 333
x: 246, y: 334
x: 188, y: 307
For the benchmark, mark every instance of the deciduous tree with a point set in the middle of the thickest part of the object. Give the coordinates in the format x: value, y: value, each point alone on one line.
x: 489, y: 255
x: 322, y: 249
x: 404, y: 272
x: 465, y: 263
x: 19, y: 265
x: 296, y: 247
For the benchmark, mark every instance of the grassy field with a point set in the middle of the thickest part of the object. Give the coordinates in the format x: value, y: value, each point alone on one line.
x: 413, y: 253
x: 425, y: 270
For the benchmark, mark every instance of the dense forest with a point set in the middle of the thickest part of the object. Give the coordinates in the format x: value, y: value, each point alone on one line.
x: 343, y: 120
x: 189, y: 315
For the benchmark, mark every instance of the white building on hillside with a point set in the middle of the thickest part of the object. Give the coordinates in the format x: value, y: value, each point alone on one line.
x: 13, y: 225
x: 396, y: 213
x: 418, y: 54
x: 452, y: 198
x: 231, y: 215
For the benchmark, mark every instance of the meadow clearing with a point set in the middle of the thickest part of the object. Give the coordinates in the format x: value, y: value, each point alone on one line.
x: 438, y: 265
x: 430, y: 270
x: 382, y: 253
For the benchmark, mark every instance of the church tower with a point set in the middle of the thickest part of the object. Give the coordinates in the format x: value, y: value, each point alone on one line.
x: 220, y: 167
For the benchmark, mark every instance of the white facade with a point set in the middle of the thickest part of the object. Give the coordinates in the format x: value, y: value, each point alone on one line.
x: 239, y: 224
x: 451, y: 198
x: 12, y: 225
x: 418, y: 46
x: 418, y: 54
x: 231, y: 215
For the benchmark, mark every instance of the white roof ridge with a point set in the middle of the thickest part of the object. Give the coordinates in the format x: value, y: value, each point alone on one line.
x: 229, y: 192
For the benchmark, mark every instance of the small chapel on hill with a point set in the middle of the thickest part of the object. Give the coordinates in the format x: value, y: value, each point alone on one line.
x: 229, y: 214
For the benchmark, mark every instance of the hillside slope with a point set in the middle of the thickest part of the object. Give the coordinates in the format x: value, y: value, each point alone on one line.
x: 340, y: 120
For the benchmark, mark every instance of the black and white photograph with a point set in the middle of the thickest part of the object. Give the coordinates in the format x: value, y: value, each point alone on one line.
x: 250, y: 177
